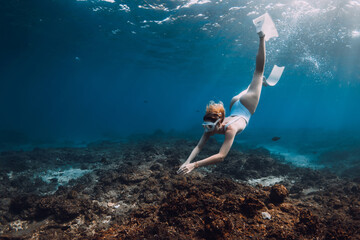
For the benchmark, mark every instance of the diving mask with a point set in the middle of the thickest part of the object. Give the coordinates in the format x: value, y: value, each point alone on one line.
x: 210, y: 126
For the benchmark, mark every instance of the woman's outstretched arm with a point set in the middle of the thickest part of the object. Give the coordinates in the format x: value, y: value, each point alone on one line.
x: 219, y: 157
x: 196, y: 150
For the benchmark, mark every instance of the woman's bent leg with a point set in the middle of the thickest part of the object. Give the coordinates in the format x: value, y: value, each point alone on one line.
x: 251, y: 99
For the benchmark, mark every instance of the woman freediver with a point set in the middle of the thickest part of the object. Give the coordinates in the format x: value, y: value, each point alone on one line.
x: 242, y: 106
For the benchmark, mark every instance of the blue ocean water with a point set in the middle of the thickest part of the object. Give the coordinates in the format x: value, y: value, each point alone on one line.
x: 81, y: 70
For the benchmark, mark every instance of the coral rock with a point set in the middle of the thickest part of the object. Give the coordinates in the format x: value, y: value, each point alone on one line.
x: 278, y: 193
x: 251, y: 206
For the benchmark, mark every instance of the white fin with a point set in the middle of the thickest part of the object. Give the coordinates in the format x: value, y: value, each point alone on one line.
x: 265, y: 25
x: 275, y: 76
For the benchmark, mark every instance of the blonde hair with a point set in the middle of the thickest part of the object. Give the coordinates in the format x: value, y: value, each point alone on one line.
x: 215, y: 110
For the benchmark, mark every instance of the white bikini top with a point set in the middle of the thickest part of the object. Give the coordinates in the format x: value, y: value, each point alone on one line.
x: 233, y: 120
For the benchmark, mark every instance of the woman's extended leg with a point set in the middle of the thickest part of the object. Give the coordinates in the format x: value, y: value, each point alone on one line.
x: 251, y: 98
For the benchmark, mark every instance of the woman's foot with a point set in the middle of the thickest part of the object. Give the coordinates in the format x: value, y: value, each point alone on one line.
x: 261, y: 34
x: 264, y: 83
x: 265, y: 27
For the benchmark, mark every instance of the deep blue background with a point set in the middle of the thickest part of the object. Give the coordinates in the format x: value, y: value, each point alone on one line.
x: 81, y: 70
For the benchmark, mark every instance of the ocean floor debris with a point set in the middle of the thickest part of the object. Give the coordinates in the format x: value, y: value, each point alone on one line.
x: 266, y: 181
x: 130, y: 190
x: 62, y: 177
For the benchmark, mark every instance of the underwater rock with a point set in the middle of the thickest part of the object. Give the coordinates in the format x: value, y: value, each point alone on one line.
x: 217, y: 226
x: 62, y: 208
x: 296, y: 189
x: 308, y: 223
x: 278, y: 193
x: 72, y: 194
x: 355, y: 212
x: 289, y: 208
x: 21, y: 203
x: 336, y: 204
x: 155, y: 167
x: 132, y: 178
x: 14, y: 161
x: 251, y: 205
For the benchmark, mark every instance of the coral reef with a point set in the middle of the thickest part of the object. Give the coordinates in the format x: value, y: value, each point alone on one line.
x: 130, y: 190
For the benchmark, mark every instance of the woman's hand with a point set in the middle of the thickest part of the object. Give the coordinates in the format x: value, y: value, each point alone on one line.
x: 186, y: 168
